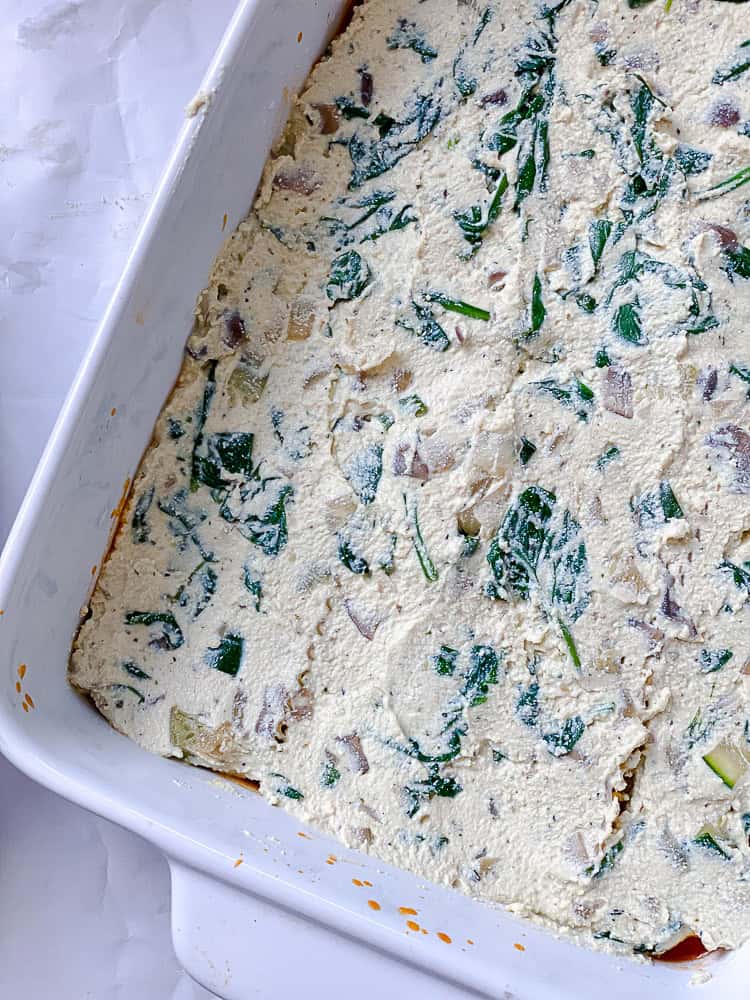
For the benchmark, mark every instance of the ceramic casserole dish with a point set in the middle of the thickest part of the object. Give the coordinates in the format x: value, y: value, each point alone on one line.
x: 259, y: 905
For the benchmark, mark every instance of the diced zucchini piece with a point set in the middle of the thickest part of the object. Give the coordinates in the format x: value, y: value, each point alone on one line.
x: 727, y: 762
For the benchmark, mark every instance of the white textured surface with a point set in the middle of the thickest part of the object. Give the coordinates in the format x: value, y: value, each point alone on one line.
x: 94, y: 92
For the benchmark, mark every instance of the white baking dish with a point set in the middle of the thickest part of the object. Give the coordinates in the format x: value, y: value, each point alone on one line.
x: 228, y: 917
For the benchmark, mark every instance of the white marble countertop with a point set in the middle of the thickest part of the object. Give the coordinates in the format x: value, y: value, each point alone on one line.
x: 94, y: 93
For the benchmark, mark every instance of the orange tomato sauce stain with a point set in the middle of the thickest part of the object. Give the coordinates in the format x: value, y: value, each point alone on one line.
x: 445, y: 937
x: 373, y: 904
x: 469, y: 941
x: 329, y: 861
x: 24, y: 706
x: 519, y: 947
x: 238, y: 862
x: 424, y: 931
x: 407, y: 911
x: 93, y: 569
x: 29, y: 700
x: 368, y: 884
x: 22, y: 671
x: 355, y: 881
x: 120, y: 508
x: 18, y: 687
x: 299, y: 37
x: 113, y: 411
x: 224, y: 222
x: 2, y: 612
x: 301, y: 833
x: 413, y: 925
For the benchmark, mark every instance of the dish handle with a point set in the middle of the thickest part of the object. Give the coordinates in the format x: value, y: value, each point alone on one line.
x: 240, y: 945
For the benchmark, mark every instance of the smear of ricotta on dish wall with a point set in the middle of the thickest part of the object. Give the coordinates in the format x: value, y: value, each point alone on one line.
x: 443, y: 536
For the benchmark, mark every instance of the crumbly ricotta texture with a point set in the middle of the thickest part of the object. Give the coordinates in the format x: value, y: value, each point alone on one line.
x: 444, y: 534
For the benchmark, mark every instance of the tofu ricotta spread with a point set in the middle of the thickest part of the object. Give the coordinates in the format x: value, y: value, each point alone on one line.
x: 444, y: 533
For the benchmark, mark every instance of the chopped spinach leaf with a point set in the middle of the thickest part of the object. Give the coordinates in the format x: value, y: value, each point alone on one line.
x: 330, y: 775
x: 445, y: 661
x: 607, y: 456
x: 140, y: 528
x: 201, y: 416
x: 691, y: 160
x: 736, y: 180
x: 407, y: 36
x: 134, y: 670
x: 708, y: 843
x: 285, y: 789
x: 711, y: 660
x: 560, y: 742
x: 474, y: 222
x: 253, y: 585
x: 527, y: 705
x: 657, y: 507
x: 363, y: 472
x: 373, y: 157
x: 413, y: 405
x: 426, y: 327
x: 348, y: 278
x: 607, y: 861
x: 537, y: 311
x: 354, y: 562
x: 539, y: 549
x: 168, y: 634
x: 575, y: 395
x: 269, y: 532
x: 735, y: 69
x: 626, y: 323
x: 526, y: 451
x: 227, y: 656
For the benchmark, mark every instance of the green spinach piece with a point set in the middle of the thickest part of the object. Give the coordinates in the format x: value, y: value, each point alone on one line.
x: 445, y: 661
x: 560, y: 742
x: 607, y: 456
x: 711, y: 660
x: 736, y: 261
x: 348, y: 278
x: 626, y: 323
x: 657, y: 507
x: 426, y: 327
x: 433, y: 785
x: 526, y: 451
x: 741, y: 372
x: 373, y: 157
x: 201, y: 415
x: 537, y: 311
x: 349, y: 110
x: 285, y: 789
x: 575, y: 395
x: 692, y: 161
x: 707, y: 842
x: 539, y: 549
x: 406, y: 35
x: 527, y: 705
x: 735, y: 69
x: 134, y: 670
x: 607, y: 861
x: 269, y: 532
x: 253, y: 585
x: 474, y: 222
x: 413, y: 405
x: 184, y: 521
x: 330, y: 775
x: 227, y: 656
x: 140, y: 528
x: 354, y: 562
x: 363, y: 472
x: 168, y: 635
x: 600, y: 231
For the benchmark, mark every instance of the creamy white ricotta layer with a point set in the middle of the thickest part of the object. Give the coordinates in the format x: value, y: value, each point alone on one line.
x: 444, y: 535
